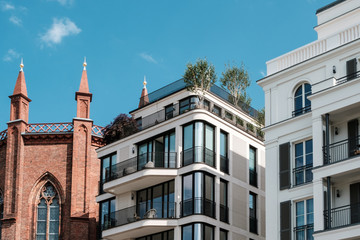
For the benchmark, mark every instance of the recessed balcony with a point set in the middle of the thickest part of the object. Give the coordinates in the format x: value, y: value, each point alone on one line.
x: 342, y: 150
x: 137, y: 221
x: 199, y: 206
x: 135, y: 173
x: 198, y: 155
x: 342, y: 216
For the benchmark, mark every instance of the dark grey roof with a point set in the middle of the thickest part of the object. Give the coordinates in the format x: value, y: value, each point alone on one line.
x: 329, y: 6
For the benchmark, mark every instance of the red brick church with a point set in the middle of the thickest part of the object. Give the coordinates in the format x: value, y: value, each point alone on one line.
x: 49, y: 172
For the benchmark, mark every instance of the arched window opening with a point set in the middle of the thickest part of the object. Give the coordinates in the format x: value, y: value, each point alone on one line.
x: 301, y: 103
x: 48, y: 211
x: 1, y: 209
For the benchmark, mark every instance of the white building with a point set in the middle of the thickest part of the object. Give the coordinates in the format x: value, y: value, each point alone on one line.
x: 194, y: 171
x: 312, y: 102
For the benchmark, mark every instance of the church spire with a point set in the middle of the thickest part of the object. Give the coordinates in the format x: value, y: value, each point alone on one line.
x: 144, y: 99
x: 20, y: 86
x: 83, y: 96
x: 19, y: 108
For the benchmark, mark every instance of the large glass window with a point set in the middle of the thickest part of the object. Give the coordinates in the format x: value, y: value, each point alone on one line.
x: 224, y: 210
x: 48, y: 212
x: 107, y: 168
x: 157, y: 201
x: 168, y: 235
x: 304, y: 220
x: 198, y: 144
x: 252, y: 166
x: 106, y: 208
x: 198, y: 194
x: 198, y: 231
x: 169, y: 111
x: 223, y: 234
x: 301, y: 103
x: 252, y: 213
x: 160, y: 151
x: 188, y: 104
x: 303, y: 162
x: 224, y: 161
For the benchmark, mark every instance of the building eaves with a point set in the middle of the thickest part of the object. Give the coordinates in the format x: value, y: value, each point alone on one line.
x: 329, y: 6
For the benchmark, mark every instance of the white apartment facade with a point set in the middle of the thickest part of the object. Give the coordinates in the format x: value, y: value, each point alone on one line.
x: 193, y: 172
x: 312, y: 102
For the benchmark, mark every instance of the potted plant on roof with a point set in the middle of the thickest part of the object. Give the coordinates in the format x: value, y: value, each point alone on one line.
x: 236, y: 80
x: 121, y: 127
x: 199, y: 78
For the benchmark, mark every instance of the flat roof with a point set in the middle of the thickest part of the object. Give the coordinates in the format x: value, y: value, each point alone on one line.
x: 329, y: 6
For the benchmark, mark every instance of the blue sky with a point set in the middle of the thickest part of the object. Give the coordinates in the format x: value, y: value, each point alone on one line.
x: 124, y: 40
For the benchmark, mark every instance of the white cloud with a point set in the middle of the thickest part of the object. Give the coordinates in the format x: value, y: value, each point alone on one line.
x: 7, y: 6
x: 63, y: 2
x: 59, y: 29
x: 15, y: 20
x: 262, y: 74
x: 148, y: 58
x: 11, y: 55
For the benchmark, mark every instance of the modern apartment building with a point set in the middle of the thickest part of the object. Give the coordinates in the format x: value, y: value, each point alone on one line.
x: 312, y: 102
x: 192, y: 171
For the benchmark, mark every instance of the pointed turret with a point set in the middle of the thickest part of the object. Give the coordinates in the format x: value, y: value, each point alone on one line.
x: 83, y: 96
x: 19, y: 100
x: 144, y: 99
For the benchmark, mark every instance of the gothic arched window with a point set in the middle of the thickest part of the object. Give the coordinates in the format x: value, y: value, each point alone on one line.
x: 1, y: 209
x: 48, y: 212
x: 301, y: 103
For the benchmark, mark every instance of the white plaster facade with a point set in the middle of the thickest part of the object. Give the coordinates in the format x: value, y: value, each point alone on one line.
x: 125, y: 188
x: 330, y: 65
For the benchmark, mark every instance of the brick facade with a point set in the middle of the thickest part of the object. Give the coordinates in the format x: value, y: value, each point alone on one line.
x: 65, y: 158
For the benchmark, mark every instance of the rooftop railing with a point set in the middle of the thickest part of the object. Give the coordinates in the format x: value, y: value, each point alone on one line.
x: 59, y: 128
x: 3, y: 135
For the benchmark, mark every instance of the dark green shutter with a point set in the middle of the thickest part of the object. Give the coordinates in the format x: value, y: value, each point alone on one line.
x: 351, y: 69
x: 284, y: 165
x: 285, y: 220
x: 353, y: 137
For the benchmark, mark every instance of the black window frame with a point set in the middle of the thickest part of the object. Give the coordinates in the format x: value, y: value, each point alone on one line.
x: 253, y: 225
x: 304, y: 108
x: 224, y: 160
x: 194, y: 148
x: 216, y: 110
x: 112, y: 161
x: 253, y: 173
x: 151, y: 188
x: 187, y: 103
x: 193, y: 232
x: 212, y: 213
x: 109, y: 210
x: 224, y: 209
x: 169, y: 111
x: 149, y: 237
x: 226, y: 232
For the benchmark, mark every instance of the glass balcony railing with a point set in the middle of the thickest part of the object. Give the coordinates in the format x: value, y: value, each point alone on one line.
x: 198, y: 205
x: 198, y: 155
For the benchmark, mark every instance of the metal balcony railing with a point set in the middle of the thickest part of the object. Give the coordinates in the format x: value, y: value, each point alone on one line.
x: 139, y: 212
x: 342, y: 216
x: 301, y: 111
x: 302, y: 174
x: 347, y: 78
x: 198, y: 155
x: 198, y: 205
x: 224, y: 164
x: 224, y: 213
x: 304, y: 232
x: 253, y: 178
x: 341, y: 150
x: 151, y: 160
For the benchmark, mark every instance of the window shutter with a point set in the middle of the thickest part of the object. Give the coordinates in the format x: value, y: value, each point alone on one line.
x: 284, y: 163
x: 351, y: 69
x: 285, y: 220
x: 353, y: 130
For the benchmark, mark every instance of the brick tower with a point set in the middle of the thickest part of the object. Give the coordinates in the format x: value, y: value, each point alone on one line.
x: 49, y: 172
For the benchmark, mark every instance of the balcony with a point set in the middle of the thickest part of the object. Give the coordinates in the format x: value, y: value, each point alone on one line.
x: 342, y: 150
x: 304, y: 232
x: 302, y: 174
x: 224, y: 164
x: 253, y: 178
x: 130, y: 175
x: 301, y: 111
x: 224, y: 213
x: 129, y: 223
x: 342, y: 216
x: 200, y: 206
x: 198, y: 155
